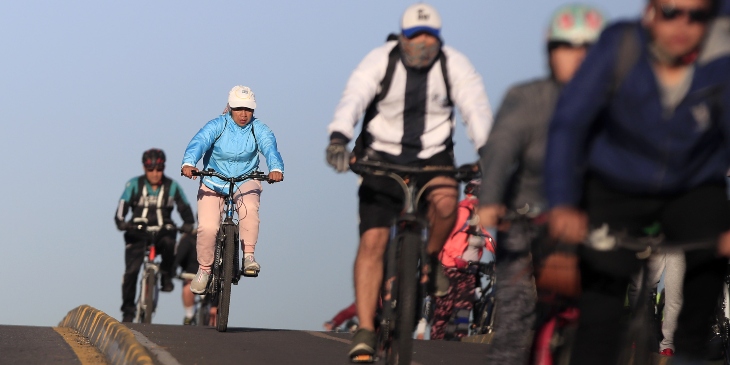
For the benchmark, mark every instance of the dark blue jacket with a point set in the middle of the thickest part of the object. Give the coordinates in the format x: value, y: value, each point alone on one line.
x: 622, y: 137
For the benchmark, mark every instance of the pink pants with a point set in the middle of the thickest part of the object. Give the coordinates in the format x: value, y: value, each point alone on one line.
x: 210, y: 208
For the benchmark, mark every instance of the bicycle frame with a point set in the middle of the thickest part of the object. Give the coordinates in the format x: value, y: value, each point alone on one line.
x: 396, y: 334
x: 150, y: 267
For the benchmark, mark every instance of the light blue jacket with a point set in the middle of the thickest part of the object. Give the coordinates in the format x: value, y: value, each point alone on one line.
x: 235, y: 152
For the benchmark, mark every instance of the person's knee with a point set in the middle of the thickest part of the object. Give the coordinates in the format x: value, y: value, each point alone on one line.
x: 372, y: 244
x: 443, y: 202
x: 207, y: 229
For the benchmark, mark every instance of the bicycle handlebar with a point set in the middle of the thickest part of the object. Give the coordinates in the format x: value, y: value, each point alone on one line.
x: 255, y: 175
x: 462, y: 173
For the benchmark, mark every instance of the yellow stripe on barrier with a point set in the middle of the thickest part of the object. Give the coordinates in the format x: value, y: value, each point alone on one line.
x: 113, y: 339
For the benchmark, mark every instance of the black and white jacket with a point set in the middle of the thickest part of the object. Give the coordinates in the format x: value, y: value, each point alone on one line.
x: 415, y: 119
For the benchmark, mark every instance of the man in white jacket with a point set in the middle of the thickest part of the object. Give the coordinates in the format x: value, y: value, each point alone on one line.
x: 406, y: 90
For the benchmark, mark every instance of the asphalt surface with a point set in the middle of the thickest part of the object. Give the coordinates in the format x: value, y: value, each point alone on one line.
x: 34, y: 345
x: 204, y: 345
x: 187, y: 345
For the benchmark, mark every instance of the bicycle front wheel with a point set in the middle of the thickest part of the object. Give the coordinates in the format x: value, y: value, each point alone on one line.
x: 149, y: 295
x: 410, y: 251
x: 224, y: 295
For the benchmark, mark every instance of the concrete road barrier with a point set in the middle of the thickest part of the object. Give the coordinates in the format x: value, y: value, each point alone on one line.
x: 113, y: 339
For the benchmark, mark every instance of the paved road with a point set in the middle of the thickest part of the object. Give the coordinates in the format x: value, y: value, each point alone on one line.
x: 34, y: 345
x: 200, y: 345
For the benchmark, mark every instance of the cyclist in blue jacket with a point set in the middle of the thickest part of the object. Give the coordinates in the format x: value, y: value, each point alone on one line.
x: 230, y: 144
x: 642, y: 135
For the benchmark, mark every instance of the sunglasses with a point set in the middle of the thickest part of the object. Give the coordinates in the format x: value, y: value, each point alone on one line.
x: 671, y: 12
x: 242, y: 109
x: 158, y: 168
x: 562, y: 44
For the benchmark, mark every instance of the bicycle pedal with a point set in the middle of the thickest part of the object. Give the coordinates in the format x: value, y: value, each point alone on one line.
x: 363, y: 358
x: 250, y: 273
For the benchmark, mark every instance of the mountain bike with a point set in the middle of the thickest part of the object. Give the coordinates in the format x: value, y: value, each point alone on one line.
x: 225, y: 270
x: 554, y: 338
x: 483, y: 311
x: 149, y: 288
x: 404, y: 259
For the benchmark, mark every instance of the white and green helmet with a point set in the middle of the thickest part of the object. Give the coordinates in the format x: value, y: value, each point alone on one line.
x: 576, y: 24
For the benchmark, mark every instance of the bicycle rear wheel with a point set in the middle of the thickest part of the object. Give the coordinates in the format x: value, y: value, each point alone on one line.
x: 148, y: 304
x: 410, y: 250
x: 227, y: 266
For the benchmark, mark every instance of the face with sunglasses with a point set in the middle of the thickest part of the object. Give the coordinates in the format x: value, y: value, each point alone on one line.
x: 678, y: 26
x: 154, y: 174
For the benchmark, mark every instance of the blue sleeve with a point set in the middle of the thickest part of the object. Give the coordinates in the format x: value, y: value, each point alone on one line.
x: 129, y: 190
x: 268, y: 148
x: 578, y: 107
x: 203, y: 140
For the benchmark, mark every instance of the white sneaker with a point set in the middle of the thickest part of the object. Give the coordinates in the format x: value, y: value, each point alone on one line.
x: 200, y: 283
x: 251, y: 268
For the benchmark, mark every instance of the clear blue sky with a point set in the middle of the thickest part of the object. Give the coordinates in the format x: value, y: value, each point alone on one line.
x: 87, y: 86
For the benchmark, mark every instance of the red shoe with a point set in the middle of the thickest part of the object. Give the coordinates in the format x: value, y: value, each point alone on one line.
x: 667, y: 352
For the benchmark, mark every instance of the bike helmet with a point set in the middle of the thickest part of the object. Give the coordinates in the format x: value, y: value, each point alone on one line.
x: 153, y: 158
x: 472, y: 187
x: 577, y: 25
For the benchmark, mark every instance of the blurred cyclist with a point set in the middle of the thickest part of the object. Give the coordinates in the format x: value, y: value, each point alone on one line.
x: 454, y: 299
x: 151, y: 196
x: 410, y: 123
x: 186, y: 258
x: 345, y: 315
x: 642, y: 135
x: 518, y: 139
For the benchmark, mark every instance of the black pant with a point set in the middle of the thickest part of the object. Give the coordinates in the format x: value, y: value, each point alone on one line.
x: 133, y: 258
x: 699, y: 214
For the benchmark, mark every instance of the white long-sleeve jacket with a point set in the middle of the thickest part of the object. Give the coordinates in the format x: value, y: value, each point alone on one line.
x: 414, y: 118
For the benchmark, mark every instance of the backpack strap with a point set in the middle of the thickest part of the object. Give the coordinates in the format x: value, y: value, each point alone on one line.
x: 445, y: 73
x: 627, y: 56
x: 363, y: 140
x: 221, y: 133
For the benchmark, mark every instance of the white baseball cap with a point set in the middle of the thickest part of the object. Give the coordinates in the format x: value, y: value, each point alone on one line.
x: 421, y: 18
x: 241, y: 97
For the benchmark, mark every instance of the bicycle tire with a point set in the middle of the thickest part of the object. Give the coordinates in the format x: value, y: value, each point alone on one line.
x: 148, y: 304
x: 410, y: 252
x: 203, y: 313
x: 227, y: 266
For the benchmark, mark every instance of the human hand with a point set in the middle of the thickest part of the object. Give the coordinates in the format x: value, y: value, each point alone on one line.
x: 187, y: 228
x: 567, y: 224
x: 338, y: 156
x: 328, y: 326
x: 187, y: 171
x: 275, y: 176
x: 489, y: 214
x: 723, y: 245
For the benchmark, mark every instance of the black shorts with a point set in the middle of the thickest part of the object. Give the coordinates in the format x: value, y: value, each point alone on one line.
x: 382, y: 199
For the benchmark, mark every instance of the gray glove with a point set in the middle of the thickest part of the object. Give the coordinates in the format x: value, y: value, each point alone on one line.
x: 337, y: 155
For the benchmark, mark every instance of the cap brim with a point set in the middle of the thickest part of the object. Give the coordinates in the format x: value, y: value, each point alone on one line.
x: 410, y: 32
x: 243, y: 104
